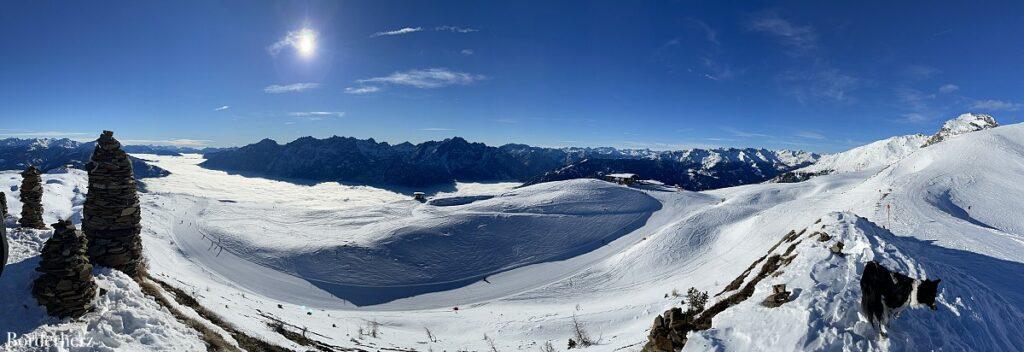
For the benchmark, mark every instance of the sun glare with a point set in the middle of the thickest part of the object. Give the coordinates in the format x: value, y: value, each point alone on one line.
x: 305, y: 43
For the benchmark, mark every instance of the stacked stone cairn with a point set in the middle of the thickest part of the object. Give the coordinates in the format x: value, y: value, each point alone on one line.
x: 111, y: 215
x: 66, y: 287
x: 3, y: 206
x: 32, y: 199
x: 3, y: 232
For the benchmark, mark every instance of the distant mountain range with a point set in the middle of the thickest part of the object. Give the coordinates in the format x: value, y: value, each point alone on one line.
x: 48, y: 154
x: 352, y: 160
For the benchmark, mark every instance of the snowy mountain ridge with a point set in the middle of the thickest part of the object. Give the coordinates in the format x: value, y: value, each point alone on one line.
x: 528, y: 266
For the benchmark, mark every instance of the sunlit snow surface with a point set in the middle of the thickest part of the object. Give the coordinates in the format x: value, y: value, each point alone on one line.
x: 949, y: 211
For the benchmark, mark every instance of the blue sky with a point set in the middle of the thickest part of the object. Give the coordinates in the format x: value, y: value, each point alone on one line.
x: 821, y: 76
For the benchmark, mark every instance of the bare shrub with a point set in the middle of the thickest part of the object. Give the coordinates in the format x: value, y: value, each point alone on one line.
x: 430, y: 335
x: 582, y: 337
x: 547, y: 347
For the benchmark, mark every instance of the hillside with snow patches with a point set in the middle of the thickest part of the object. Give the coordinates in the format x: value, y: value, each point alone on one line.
x: 496, y: 267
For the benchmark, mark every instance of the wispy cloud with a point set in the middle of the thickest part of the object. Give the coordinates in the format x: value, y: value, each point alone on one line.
x: 401, y: 31
x: 222, y: 108
x: 179, y: 142
x: 810, y: 135
x: 829, y: 85
x: 920, y: 72
x: 427, y: 78
x: 949, y: 88
x: 467, y: 52
x: 995, y: 105
x: 290, y: 88
x: 455, y: 29
x: 745, y: 134
x: 719, y: 71
x: 914, y: 117
x: 913, y: 98
x: 43, y: 134
x: 316, y: 115
x: 709, y: 33
x: 436, y: 129
x: 290, y: 40
x: 362, y: 90
x: 800, y: 40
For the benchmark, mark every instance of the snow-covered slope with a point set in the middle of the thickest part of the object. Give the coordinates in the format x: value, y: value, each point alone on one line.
x: 251, y: 249
x: 870, y: 156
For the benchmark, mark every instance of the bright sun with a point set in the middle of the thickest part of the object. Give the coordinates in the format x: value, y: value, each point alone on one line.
x: 305, y: 42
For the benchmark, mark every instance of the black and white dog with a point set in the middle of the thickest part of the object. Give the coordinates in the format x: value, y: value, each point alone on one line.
x: 886, y: 293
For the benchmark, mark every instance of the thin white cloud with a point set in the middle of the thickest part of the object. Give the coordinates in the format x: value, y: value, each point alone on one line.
x: 427, y: 78
x: 362, y: 90
x: 290, y: 40
x: 949, y: 88
x: 801, y: 40
x: 810, y: 135
x: 436, y: 129
x: 178, y: 142
x: 995, y: 105
x: 222, y: 108
x: 455, y: 29
x: 316, y: 115
x: 829, y: 85
x: 467, y: 52
x: 920, y: 72
x: 290, y: 88
x: 745, y: 134
x: 401, y: 31
x: 914, y: 117
x: 709, y: 33
x: 43, y: 134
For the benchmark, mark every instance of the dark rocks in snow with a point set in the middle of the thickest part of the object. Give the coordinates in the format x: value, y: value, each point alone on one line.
x: 111, y: 214
x: 778, y: 297
x: 837, y: 248
x: 66, y: 286
x: 32, y: 199
x: 668, y: 333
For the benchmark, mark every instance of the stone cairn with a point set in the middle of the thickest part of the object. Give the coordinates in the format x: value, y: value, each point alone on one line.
x: 111, y: 214
x: 32, y: 199
x: 66, y: 287
x: 3, y: 207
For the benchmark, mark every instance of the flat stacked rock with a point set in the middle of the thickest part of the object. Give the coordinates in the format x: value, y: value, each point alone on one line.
x: 66, y: 287
x: 32, y: 199
x: 111, y: 214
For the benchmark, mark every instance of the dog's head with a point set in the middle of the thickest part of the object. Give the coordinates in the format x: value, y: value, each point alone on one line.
x: 926, y: 292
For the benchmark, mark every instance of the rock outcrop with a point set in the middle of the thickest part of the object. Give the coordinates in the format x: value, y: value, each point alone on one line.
x: 111, y: 216
x: 965, y: 123
x: 32, y: 199
x: 66, y: 286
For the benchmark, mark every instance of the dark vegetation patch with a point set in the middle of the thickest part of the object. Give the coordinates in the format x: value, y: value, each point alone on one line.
x: 213, y: 340
x: 245, y: 341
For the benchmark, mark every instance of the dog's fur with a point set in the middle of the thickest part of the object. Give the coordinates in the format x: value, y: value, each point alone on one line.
x: 885, y: 293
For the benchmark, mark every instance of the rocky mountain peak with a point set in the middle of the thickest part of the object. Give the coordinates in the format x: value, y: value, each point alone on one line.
x: 965, y: 123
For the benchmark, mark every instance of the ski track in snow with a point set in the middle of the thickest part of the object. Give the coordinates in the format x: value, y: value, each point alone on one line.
x: 949, y: 211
